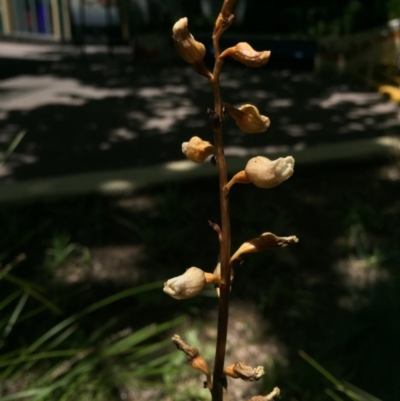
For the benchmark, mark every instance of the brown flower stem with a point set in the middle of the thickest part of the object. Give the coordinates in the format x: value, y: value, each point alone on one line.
x: 225, y: 238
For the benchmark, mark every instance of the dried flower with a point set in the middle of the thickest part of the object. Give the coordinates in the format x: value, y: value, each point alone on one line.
x: 188, y: 48
x: 245, y: 54
x: 248, y: 118
x: 263, y: 242
x: 244, y: 372
x: 188, y: 285
x: 197, y: 150
x: 263, y: 172
x: 194, y: 357
x: 275, y: 393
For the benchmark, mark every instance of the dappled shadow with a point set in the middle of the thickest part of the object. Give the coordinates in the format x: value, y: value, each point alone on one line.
x: 334, y: 294
x: 93, y: 112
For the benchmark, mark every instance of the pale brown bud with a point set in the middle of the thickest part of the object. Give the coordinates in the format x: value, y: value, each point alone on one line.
x: 197, y: 150
x: 211, y: 278
x: 229, y: 371
x: 245, y: 54
x: 194, y: 357
x: 188, y: 48
x: 190, y: 351
x: 265, y: 173
x: 217, y: 274
x: 199, y: 363
x: 244, y: 372
x: 248, y: 118
x: 273, y: 395
x: 263, y: 242
x: 188, y: 285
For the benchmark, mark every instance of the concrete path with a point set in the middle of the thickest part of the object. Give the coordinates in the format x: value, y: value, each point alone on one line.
x: 98, y: 116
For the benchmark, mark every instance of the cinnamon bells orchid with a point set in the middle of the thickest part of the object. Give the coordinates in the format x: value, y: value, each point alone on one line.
x: 197, y: 150
x: 188, y: 48
x: 263, y: 242
x: 248, y: 118
x: 189, y: 284
x: 240, y: 370
x: 245, y: 54
x: 263, y: 172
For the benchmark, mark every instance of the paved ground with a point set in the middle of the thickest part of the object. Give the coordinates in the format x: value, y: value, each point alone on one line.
x: 94, y: 113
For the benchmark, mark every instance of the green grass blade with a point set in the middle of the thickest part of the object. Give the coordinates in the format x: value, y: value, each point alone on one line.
x: 121, y: 295
x: 17, y: 311
x: 13, y: 145
x: 359, y: 394
x: 97, y: 305
x: 28, y: 287
x: 38, y: 356
x: 31, y: 313
x: 148, y: 349
x: 10, y: 298
x: 139, y: 336
x: 96, y: 335
x: 321, y: 369
x: 62, y: 337
x: 333, y: 395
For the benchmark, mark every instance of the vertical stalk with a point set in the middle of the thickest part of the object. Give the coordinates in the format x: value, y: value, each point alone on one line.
x: 225, y: 242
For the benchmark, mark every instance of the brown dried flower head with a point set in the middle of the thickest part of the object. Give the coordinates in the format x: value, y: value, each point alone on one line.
x: 263, y: 242
x: 188, y: 48
x: 187, y: 285
x: 242, y: 371
x: 194, y: 357
x: 197, y: 150
x: 245, y: 54
x: 273, y: 395
x: 248, y: 118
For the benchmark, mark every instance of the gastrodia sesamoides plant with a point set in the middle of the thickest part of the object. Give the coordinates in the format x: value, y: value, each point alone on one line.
x: 259, y: 171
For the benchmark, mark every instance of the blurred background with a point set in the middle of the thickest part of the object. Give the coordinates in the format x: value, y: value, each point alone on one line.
x: 98, y: 206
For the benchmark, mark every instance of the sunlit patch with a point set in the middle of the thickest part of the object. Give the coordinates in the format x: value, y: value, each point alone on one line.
x: 116, y: 186
x: 182, y: 165
x: 358, y: 275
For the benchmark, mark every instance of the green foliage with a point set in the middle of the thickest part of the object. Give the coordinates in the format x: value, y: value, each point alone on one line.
x: 352, y: 392
x: 65, y: 363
